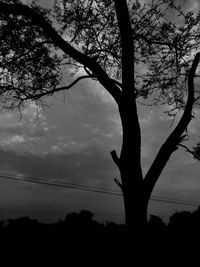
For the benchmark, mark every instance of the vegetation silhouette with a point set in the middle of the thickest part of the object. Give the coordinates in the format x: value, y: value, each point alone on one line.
x: 135, y: 51
x: 83, y: 226
x: 80, y: 239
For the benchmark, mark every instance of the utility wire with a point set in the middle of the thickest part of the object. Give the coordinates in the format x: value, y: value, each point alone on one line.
x: 92, y: 189
x: 59, y: 184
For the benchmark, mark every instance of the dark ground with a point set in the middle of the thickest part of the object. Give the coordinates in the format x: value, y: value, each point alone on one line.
x: 79, y: 240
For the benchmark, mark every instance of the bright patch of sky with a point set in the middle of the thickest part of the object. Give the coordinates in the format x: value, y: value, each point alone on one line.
x: 21, y: 131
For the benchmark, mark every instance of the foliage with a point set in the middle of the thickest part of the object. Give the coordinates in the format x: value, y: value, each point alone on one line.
x: 163, y: 49
x: 92, y: 27
x: 28, y: 64
x: 31, y: 65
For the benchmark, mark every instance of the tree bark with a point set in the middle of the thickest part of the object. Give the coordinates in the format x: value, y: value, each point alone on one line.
x: 130, y: 167
x: 130, y: 158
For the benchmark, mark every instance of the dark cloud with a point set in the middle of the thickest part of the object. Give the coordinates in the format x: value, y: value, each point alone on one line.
x: 12, y: 130
x: 90, y: 166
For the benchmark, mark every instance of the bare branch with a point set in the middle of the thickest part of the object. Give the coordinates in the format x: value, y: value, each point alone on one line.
x: 58, y: 89
x: 152, y: 41
x: 173, y: 141
x: 50, y: 32
x: 118, y: 183
x: 187, y: 149
x: 115, y: 158
x: 194, y: 153
x: 117, y: 82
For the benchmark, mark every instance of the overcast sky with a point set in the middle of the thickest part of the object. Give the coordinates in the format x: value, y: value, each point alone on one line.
x: 70, y: 141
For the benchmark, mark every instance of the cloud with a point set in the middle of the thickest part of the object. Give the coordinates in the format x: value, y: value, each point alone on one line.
x: 188, y: 5
x: 180, y: 177
x: 26, y: 127
x: 86, y: 118
x: 16, y: 139
x: 90, y: 166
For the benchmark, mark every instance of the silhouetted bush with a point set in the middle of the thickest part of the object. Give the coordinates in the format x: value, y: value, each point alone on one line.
x: 80, y: 232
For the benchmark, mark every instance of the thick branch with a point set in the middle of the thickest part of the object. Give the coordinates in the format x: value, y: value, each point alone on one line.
x: 50, y: 32
x: 172, y: 142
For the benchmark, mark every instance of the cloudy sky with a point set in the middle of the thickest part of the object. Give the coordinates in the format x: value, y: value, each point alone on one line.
x: 70, y: 142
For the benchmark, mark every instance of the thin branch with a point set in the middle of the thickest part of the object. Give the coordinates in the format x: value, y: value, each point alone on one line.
x: 74, y: 82
x: 50, y: 32
x: 116, y: 82
x: 115, y: 158
x: 149, y: 41
x: 31, y: 49
x: 118, y: 183
x: 114, y: 55
x: 58, y: 89
x: 187, y: 149
x: 194, y: 154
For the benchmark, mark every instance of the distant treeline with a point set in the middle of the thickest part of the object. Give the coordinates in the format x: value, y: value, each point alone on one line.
x: 79, y: 232
x: 182, y: 221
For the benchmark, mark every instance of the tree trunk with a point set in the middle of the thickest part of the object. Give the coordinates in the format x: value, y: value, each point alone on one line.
x: 132, y: 186
x: 135, y: 203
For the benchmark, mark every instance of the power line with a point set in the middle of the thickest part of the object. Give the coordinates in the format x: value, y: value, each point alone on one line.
x: 175, y: 201
x: 60, y: 184
x: 92, y: 189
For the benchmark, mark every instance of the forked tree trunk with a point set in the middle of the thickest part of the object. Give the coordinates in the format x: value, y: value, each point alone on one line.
x: 136, y: 189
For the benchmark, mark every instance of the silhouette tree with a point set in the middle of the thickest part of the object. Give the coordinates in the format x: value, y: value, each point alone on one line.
x: 156, y: 223
x: 135, y: 51
x: 186, y: 222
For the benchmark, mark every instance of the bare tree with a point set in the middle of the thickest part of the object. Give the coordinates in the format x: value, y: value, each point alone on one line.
x: 135, y: 51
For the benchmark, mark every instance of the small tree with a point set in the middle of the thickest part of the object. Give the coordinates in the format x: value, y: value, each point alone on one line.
x: 133, y: 50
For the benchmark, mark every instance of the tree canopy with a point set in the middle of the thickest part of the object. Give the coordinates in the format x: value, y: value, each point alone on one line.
x: 33, y: 65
